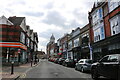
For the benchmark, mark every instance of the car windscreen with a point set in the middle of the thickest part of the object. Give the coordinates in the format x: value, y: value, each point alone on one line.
x: 89, y: 61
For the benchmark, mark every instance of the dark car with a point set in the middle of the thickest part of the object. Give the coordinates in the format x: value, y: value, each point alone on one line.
x: 60, y: 61
x: 84, y: 65
x: 108, y: 66
x: 69, y: 62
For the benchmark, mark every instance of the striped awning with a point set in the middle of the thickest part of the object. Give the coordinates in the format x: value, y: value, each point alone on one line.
x: 13, y: 45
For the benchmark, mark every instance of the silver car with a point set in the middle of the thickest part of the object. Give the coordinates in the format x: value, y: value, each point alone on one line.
x: 84, y: 65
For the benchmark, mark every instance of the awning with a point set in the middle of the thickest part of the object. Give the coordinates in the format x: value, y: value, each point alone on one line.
x: 13, y: 45
x: 59, y: 53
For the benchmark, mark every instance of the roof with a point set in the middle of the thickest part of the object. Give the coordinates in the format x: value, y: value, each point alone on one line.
x: 52, y: 37
x: 31, y: 31
x: 8, y: 22
x: 27, y: 26
x: 16, y: 20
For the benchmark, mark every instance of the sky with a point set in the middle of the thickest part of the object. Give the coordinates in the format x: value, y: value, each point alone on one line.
x: 47, y: 17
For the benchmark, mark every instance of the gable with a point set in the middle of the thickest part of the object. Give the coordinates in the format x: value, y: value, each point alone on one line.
x: 4, y: 20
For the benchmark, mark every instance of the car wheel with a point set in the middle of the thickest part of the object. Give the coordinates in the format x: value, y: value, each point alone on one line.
x: 75, y: 67
x: 66, y: 65
x: 94, y: 74
x: 82, y: 69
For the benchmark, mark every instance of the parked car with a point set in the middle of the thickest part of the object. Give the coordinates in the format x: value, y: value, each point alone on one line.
x: 60, y: 61
x: 108, y: 66
x: 56, y: 60
x: 84, y: 65
x: 69, y: 62
x: 51, y: 59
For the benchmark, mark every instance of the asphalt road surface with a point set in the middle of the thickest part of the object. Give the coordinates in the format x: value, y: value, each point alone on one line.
x: 50, y: 70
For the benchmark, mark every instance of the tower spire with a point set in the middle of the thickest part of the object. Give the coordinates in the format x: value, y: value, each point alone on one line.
x: 52, y: 38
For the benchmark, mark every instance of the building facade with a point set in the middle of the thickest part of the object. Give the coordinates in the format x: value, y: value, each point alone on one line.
x: 104, y: 20
x: 84, y: 42
x: 52, y: 47
x: 74, y: 44
x: 14, y: 40
x: 63, y: 46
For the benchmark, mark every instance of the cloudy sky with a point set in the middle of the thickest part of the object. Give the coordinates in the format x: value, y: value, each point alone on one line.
x: 47, y: 17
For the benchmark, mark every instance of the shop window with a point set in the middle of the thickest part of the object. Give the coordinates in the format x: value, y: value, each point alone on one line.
x: 85, y: 40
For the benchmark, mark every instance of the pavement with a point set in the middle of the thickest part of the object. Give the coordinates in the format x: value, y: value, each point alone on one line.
x: 18, y: 71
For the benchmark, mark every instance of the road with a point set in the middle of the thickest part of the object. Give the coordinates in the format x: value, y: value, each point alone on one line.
x: 46, y: 69
x: 50, y: 70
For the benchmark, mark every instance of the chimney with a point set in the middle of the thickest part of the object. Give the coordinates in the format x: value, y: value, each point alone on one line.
x: 72, y: 30
x: 14, y: 16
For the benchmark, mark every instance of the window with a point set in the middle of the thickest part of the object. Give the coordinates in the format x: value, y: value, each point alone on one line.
x: 70, y: 45
x: 28, y: 42
x: 81, y: 61
x: 114, y: 23
x: 112, y: 5
x: 22, y: 37
x: 113, y: 58
x: 99, y: 33
x: 85, y: 40
x: 76, y: 42
x: 89, y: 61
x: 104, y: 59
x: 100, y: 13
x: 102, y: 33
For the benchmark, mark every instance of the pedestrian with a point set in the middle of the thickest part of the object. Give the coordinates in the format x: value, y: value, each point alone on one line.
x: 35, y: 60
x: 26, y: 60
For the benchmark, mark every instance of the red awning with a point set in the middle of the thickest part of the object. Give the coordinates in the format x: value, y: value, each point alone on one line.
x: 61, y: 49
x: 13, y: 45
x: 59, y: 53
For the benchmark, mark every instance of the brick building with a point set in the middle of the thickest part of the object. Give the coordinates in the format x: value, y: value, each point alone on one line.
x: 52, y: 47
x: 104, y: 20
x: 84, y: 42
x: 15, y: 40
x: 74, y: 44
x: 62, y: 45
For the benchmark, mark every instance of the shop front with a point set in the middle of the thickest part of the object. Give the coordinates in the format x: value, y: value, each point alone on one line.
x: 13, y: 52
x: 107, y: 46
x: 85, y: 51
x: 76, y: 52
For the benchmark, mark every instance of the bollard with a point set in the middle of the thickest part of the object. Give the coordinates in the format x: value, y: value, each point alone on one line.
x: 12, y: 67
x: 31, y: 63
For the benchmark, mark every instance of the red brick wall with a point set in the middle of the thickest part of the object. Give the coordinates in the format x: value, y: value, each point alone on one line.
x: 115, y: 12
x: 9, y: 33
x: 107, y: 23
x: 91, y: 35
x: 107, y: 26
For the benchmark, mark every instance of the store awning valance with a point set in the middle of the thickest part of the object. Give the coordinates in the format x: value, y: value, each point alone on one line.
x: 59, y: 53
x: 13, y: 45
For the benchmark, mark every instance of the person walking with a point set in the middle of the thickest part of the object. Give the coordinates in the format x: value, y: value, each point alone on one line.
x: 35, y: 61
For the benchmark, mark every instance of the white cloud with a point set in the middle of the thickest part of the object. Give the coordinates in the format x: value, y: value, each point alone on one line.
x: 48, y: 16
